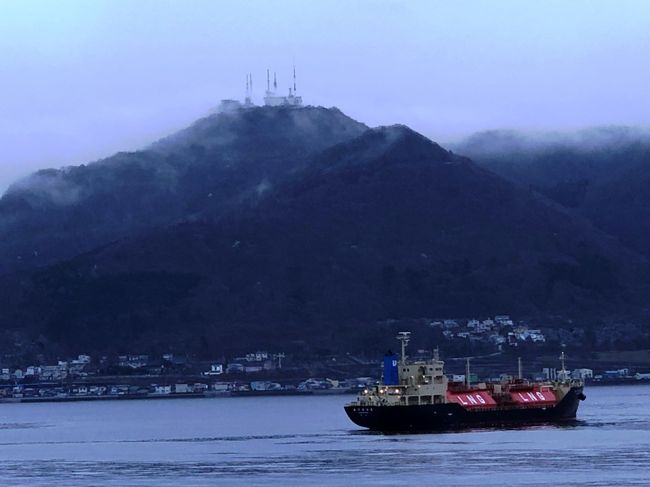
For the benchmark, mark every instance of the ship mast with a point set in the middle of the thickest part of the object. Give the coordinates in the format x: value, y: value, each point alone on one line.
x: 404, y: 337
x: 467, y: 379
x: 563, y: 372
x: 519, y: 374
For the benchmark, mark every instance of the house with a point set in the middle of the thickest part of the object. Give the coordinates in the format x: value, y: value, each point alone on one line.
x: 173, y: 359
x: 582, y: 374
x: 473, y: 324
x: 235, y: 368
x: 550, y: 373
x: 133, y: 361
x: 503, y: 320
x: 485, y: 325
x: 76, y: 366
x: 252, y: 367
x: 119, y: 390
x: 32, y: 371
x: 215, y: 369
x: 221, y: 386
x: 162, y: 390
x: 618, y: 373
x: 314, y: 384
x: 497, y: 339
x: 522, y: 334
x: 265, y: 386
x: 53, y: 372
x: 257, y: 357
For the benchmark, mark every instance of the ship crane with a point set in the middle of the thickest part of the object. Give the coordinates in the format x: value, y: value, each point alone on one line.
x: 564, y: 374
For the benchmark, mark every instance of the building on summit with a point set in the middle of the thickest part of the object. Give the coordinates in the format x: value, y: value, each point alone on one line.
x: 271, y: 97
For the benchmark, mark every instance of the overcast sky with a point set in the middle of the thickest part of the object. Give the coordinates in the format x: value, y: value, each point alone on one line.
x: 82, y: 79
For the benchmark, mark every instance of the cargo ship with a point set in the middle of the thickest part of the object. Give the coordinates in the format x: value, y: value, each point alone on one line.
x: 417, y: 396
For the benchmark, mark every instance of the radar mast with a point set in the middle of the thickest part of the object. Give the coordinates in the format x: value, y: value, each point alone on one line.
x: 404, y: 337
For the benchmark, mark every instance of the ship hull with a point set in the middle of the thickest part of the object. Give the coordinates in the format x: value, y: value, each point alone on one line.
x: 432, y: 417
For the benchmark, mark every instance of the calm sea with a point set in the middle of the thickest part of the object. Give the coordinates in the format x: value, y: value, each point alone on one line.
x: 309, y: 440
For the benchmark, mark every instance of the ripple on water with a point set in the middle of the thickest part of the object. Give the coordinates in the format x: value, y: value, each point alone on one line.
x: 309, y: 441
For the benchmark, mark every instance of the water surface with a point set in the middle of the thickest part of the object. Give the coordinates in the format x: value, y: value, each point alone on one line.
x: 309, y: 440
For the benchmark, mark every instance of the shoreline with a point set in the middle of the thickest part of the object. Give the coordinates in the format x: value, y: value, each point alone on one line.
x: 228, y: 394
x: 190, y: 395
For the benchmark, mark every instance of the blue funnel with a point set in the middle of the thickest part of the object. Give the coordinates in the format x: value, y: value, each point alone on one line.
x: 391, y: 373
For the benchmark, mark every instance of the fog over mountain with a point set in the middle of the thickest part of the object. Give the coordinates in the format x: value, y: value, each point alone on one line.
x: 82, y: 80
x: 299, y: 223
x: 218, y: 162
x: 601, y: 173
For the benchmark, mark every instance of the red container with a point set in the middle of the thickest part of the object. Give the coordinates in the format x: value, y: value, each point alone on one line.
x: 473, y: 399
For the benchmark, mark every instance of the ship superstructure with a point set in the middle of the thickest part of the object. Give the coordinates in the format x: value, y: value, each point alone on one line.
x: 417, y: 395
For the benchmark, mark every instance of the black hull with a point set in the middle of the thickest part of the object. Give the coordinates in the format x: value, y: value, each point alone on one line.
x: 432, y: 417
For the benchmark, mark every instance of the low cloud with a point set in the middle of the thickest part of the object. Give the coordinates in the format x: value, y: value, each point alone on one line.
x: 48, y: 187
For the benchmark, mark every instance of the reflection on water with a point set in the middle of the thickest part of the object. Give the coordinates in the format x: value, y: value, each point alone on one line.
x: 299, y: 440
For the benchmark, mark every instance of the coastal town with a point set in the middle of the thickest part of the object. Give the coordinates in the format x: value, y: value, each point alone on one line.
x: 141, y: 376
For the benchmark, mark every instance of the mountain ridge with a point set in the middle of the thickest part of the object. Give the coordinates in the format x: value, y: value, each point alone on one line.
x: 367, y: 225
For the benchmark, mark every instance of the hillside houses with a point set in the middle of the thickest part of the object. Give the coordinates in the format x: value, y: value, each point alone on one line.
x: 500, y: 330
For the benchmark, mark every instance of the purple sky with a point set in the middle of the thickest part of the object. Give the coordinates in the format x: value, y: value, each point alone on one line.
x: 80, y: 80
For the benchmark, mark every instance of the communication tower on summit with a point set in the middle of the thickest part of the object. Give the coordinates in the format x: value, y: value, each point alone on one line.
x: 248, y: 101
x: 272, y: 99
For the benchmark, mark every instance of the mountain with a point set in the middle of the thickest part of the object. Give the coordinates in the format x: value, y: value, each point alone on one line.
x: 199, y: 172
x: 358, y: 226
x: 601, y: 173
